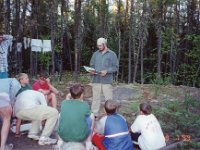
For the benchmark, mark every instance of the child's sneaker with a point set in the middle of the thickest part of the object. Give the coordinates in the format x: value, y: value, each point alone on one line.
x: 33, y: 136
x: 46, y: 141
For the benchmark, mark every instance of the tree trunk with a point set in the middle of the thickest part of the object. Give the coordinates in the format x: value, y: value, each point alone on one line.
x: 131, y: 41
x: 103, y: 18
x: 129, y: 59
x: 159, y: 46
x: 77, y: 34
x: 136, y: 63
x: 142, y: 38
x: 62, y: 38
x: 118, y: 32
x: 34, y: 34
x: 7, y: 17
x: 53, y: 27
x: 159, y: 38
x: 19, y: 37
x: 119, y: 51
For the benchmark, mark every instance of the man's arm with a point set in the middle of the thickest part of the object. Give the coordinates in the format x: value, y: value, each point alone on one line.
x: 114, y: 64
x: 51, y: 87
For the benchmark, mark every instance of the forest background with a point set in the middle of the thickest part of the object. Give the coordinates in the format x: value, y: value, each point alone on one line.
x: 157, y: 43
x: 155, y: 40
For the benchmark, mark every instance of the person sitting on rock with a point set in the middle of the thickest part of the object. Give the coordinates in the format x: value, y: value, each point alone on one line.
x: 44, y: 86
x: 76, y: 122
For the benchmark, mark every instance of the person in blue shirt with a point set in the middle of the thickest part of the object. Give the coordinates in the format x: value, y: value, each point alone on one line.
x: 114, y: 128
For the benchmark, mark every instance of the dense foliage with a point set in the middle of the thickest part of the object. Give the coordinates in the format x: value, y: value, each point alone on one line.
x: 154, y: 39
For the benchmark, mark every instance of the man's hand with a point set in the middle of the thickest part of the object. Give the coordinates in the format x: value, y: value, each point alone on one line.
x: 103, y: 73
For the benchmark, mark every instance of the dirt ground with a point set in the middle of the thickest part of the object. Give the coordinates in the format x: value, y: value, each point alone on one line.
x: 120, y: 93
x: 24, y: 143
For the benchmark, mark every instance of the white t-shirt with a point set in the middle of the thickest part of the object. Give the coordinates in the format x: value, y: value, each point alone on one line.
x: 151, y: 137
x: 29, y: 99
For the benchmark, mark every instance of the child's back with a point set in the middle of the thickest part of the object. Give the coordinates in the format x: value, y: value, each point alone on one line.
x: 147, y: 125
x: 73, y: 125
x: 115, y: 129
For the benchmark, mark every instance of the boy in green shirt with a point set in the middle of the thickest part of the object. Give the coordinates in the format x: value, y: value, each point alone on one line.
x: 76, y: 122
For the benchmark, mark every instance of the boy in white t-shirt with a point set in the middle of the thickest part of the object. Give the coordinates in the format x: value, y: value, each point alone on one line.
x: 150, y: 135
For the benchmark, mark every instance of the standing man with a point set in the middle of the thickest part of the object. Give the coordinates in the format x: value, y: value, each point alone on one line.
x: 5, y: 42
x: 105, y: 63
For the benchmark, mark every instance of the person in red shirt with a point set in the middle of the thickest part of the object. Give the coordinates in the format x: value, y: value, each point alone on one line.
x: 44, y: 85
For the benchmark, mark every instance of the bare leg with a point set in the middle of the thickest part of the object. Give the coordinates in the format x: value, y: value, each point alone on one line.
x: 52, y: 100
x: 5, y: 113
x: 18, y: 124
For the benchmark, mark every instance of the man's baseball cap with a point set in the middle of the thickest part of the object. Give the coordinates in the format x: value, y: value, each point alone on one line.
x: 101, y: 41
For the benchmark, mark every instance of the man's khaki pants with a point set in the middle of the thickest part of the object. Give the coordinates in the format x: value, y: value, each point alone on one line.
x: 36, y: 115
x: 98, y: 90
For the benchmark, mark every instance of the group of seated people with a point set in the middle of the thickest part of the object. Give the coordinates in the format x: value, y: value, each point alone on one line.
x: 76, y: 126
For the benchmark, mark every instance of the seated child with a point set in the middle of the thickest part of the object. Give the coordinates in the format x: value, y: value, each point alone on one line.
x: 24, y: 81
x: 150, y: 135
x: 114, y: 128
x: 76, y: 122
x: 44, y: 86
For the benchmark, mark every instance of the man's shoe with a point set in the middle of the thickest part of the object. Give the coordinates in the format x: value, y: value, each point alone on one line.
x: 46, y: 141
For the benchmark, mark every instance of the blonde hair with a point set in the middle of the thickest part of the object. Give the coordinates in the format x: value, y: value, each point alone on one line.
x: 21, y: 76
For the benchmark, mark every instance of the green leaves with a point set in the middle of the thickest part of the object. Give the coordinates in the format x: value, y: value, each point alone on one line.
x: 179, y: 117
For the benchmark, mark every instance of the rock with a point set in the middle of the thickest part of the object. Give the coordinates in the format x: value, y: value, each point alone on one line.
x: 119, y: 92
x: 125, y: 93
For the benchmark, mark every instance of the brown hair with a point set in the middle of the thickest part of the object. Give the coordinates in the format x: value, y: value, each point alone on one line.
x: 111, y: 106
x: 76, y: 90
x: 43, y: 74
x: 145, y: 108
x: 21, y: 76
